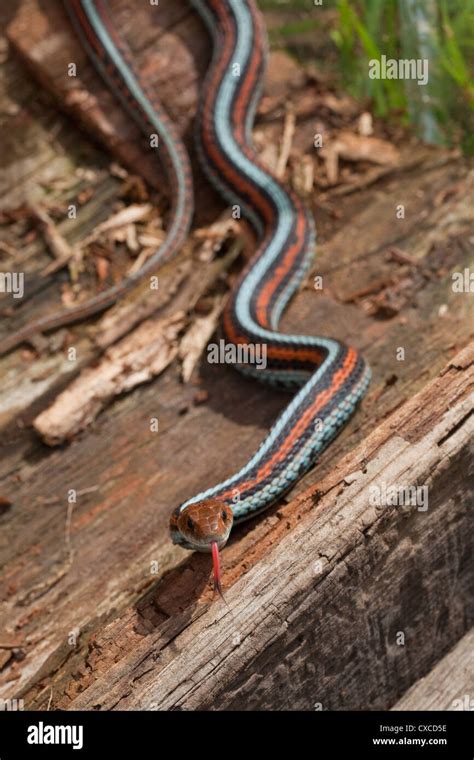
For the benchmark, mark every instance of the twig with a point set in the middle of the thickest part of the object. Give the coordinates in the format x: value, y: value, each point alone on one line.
x: 197, y: 337
x: 286, y: 142
x: 63, y: 253
x: 12, y: 646
x: 67, y: 534
x: 130, y: 215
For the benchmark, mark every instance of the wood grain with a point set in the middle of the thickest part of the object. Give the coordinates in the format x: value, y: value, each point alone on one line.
x: 342, y: 612
x: 449, y: 686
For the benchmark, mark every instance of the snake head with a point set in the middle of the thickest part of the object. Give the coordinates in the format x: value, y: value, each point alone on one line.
x: 205, y: 527
x: 205, y: 523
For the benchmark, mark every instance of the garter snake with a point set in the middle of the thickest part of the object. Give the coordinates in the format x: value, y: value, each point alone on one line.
x: 328, y: 378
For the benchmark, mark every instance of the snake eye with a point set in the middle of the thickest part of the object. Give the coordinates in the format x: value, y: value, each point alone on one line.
x: 224, y: 515
x: 190, y: 523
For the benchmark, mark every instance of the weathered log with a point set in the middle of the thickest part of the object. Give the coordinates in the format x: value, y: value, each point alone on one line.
x: 343, y: 611
x: 449, y: 686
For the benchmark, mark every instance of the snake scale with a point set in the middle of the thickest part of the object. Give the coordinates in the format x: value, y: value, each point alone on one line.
x: 327, y: 377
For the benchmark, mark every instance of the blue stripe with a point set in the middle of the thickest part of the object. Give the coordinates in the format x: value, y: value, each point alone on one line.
x: 137, y: 92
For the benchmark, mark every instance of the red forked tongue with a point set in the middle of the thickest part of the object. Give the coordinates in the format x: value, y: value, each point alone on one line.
x: 217, y: 569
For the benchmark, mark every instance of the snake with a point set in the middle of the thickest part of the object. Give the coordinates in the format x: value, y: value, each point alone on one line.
x: 327, y: 379
x: 112, y: 58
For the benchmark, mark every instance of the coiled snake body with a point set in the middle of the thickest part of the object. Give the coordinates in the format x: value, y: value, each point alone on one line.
x: 328, y: 377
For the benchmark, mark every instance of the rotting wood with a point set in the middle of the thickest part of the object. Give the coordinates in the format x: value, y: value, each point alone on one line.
x: 126, y: 315
x: 143, y: 354
x: 348, y: 564
x: 134, y: 360
x: 449, y: 686
x: 314, y: 612
x: 129, y: 466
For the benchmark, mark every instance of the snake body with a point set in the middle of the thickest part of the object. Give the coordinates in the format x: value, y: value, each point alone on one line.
x: 112, y: 59
x: 329, y: 378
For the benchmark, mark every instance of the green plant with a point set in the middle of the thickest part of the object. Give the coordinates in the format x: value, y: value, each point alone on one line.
x: 373, y: 29
x: 443, y: 31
